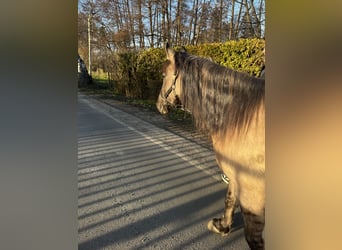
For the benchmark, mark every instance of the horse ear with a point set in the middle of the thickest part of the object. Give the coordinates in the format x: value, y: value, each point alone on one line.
x: 169, y: 53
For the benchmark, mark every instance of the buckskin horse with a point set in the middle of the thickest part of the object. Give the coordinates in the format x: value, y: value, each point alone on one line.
x: 230, y: 106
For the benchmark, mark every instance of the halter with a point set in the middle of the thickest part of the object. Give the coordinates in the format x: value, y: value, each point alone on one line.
x: 172, y: 88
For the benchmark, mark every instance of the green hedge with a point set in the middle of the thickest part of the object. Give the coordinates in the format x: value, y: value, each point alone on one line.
x: 149, y: 69
x: 139, y: 73
x: 245, y: 55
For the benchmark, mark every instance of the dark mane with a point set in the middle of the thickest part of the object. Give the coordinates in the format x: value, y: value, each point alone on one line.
x: 218, y: 97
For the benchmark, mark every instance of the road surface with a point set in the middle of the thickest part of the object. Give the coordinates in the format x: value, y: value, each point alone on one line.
x: 142, y: 187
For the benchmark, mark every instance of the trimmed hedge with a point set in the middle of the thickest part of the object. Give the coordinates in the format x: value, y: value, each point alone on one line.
x: 139, y: 73
x: 245, y: 55
x: 149, y: 70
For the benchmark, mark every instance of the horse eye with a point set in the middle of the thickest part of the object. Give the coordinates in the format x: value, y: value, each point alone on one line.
x: 163, y: 75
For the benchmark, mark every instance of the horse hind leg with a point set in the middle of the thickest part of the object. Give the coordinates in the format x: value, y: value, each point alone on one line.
x: 223, y: 225
x: 254, y: 226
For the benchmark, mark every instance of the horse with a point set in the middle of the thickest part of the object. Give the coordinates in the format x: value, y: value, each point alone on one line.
x: 230, y: 107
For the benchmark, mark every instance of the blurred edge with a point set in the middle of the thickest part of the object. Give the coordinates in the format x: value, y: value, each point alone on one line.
x: 38, y: 180
x: 303, y: 127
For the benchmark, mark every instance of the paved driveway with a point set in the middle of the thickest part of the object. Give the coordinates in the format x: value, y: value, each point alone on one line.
x: 142, y: 187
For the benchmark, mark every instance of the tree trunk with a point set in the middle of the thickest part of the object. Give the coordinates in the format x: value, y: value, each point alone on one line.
x: 257, y: 30
x: 220, y: 21
x: 131, y: 23
x: 237, y: 24
x: 231, y: 24
x: 140, y: 25
x: 164, y: 18
x: 249, y: 19
x: 195, y: 33
x: 178, y: 21
x: 150, y: 18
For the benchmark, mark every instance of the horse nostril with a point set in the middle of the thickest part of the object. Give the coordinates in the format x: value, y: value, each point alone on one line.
x: 163, y: 110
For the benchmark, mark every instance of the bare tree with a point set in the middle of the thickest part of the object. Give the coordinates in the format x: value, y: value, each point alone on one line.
x: 231, y: 23
x: 178, y: 22
x: 140, y: 18
x: 195, y: 20
x: 151, y: 21
x: 134, y: 24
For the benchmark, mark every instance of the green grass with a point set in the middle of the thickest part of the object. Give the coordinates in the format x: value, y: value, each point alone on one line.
x: 102, y: 76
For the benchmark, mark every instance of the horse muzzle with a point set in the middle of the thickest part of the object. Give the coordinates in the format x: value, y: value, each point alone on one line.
x: 162, y: 106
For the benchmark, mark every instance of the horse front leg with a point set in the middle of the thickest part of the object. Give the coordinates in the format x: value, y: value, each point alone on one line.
x: 223, y: 225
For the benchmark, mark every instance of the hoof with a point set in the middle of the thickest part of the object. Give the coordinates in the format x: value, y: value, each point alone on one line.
x: 215, y: 226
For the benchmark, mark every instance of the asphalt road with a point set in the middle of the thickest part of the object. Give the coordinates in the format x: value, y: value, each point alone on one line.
x: 142, y: 187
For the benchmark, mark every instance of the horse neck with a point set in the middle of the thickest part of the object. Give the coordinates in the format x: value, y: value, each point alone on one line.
x: 207, y: 97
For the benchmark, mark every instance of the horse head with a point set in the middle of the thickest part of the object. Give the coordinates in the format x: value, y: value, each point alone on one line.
x: 171, y: 90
